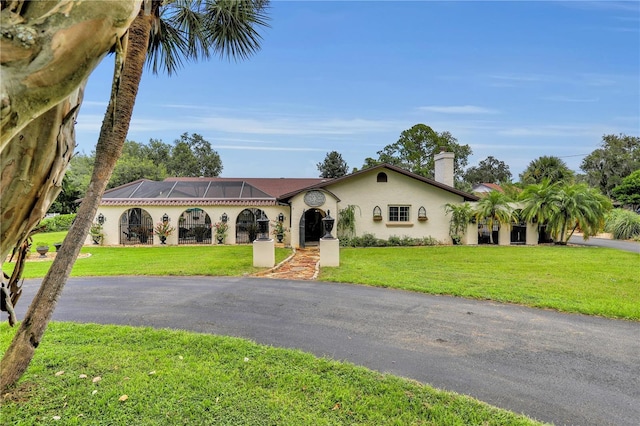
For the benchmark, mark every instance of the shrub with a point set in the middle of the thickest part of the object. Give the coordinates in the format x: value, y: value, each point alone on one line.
x: 623, y: 224
x: 430, y: 241
x: 61, y: 222
x: 370, y: 240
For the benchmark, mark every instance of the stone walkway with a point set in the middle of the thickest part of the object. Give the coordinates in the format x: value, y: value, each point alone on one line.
x: 303, y: 265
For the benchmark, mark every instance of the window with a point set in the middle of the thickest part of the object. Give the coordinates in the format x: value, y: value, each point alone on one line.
x: 398, y: 213
x: 382, y: 177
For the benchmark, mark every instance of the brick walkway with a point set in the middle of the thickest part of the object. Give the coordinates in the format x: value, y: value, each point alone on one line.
x: 302, y: 266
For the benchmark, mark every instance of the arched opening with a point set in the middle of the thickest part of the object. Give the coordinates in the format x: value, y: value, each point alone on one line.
x: 194, y: 227
x: 486, y: 236
x: 136, y: 227
x: 247, y: 225
x: 382, y: 177
x: 311, y: 221
x: 518, y: 229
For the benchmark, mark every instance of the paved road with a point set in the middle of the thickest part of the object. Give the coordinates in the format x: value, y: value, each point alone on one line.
x: 566, y: 369
x: 604, y: 242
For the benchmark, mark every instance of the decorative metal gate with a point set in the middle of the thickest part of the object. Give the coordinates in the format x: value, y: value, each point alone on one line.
x: 301, y: 230
x: 518, y: 230
x: 247, y: 226
x: 485, y: 235
x: 136, y: 227
x: 194, y: 227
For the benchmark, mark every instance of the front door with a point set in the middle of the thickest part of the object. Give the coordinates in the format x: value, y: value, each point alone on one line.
x: 312, y: 225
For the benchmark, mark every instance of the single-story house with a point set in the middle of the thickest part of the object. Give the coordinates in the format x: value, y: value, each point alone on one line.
x: 389, y: 201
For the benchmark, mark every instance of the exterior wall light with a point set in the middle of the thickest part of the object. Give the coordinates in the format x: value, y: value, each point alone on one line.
x: 101, y: 219
x: 224, y: 218
x: 281, y: 217
x: 165, y: 218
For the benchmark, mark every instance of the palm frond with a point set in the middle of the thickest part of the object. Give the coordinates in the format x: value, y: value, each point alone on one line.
x: 232, y: 26
x: 187, y: 30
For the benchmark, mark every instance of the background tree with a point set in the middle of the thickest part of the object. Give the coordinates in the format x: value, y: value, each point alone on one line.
x: 489, y: 170
x: 192, y: 155
x: 192, y: 29
x: 617, y: 158
x: 66, y: 202
x: 333, y: 166
x: 416, y: 147
x: 628, y: 192
x: 546, y: 167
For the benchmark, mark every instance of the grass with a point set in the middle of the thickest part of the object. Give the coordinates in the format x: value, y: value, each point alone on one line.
x: 177, y: 378
x: 158, y: 260
x: 588, y: 280
x: 48, y: 237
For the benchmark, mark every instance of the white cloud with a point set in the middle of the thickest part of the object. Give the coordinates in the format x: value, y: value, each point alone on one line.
x: 561, y: 98
x: 268, y: 148
x: 459, y: 109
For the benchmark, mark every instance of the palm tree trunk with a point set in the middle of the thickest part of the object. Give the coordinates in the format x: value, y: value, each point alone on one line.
x: 112, y: 136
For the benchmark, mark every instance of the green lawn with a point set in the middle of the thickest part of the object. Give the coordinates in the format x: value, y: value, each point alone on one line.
x: 115, y: 375
x: 158, y: 260
x: 589, y: 280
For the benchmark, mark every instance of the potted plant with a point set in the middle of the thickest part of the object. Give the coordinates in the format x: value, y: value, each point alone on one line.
x: 96, y: 233
x: 279, y: 230
x: 461, y: 215
x: 142, y: 232
x: 163, y: 230
x: 221, y: 231
x: 42, y: 248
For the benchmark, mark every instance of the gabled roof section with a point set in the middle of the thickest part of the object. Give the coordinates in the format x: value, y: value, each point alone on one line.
x: 465, y: 195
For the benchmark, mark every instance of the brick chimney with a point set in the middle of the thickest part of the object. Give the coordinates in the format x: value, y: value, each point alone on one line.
x: 444, y: 167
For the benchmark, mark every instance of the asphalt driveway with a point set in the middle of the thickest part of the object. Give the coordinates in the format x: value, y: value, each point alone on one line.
x: 561, y: 368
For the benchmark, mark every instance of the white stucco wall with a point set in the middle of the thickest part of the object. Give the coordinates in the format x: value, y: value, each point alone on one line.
x: 365, y: 192
x: 111, y: 227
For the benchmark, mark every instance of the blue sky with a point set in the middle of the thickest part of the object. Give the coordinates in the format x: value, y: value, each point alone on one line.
x: 515, y: 80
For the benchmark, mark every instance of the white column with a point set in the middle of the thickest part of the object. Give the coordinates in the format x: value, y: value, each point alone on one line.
x: 264, y: 253
x: 329, y: 252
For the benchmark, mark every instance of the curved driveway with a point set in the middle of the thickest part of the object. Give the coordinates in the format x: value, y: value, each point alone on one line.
x: 605, y: 242
x: 561, y: 368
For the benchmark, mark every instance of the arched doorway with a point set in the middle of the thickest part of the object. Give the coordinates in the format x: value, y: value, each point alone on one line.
x: 194, y: 227
x: 518, y: 229
x: 247, y: 225
x: 136, y: 227
x: 486, y: 236
x: 311, y: 227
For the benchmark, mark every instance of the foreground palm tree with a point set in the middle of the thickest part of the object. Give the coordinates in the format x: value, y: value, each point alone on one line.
x: 495, y: 209
x: 561, y: 209
x: 578, y: 207
x: 162, y: 33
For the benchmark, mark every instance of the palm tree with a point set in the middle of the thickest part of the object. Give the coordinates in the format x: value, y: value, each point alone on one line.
x: 539, y: 203
x: 161, y: 34
x: 494, y: 208
x: 578, y: 206
x: 562, y: 208
x: 546, y: 167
